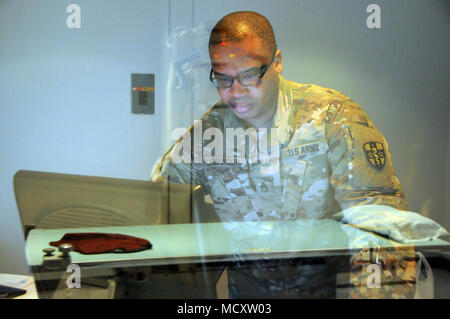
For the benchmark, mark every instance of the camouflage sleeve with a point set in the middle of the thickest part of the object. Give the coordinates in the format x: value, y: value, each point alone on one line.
x: 362, y: 174
x: 383, y: 273
x: 360, y: 161
x: 175, y: 171
x: 166, y: 169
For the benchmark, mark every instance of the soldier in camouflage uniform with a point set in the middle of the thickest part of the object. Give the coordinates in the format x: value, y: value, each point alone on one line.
x: 325, y: 155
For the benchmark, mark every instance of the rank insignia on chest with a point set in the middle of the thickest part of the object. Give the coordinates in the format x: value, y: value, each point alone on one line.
x: 375, y: 154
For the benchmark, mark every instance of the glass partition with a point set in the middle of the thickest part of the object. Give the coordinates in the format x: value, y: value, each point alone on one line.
x: 292, y: 157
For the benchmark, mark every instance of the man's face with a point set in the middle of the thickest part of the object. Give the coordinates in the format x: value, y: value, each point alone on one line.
x: 254, y: 104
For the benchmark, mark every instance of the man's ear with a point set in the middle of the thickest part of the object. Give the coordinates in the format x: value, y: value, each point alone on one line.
x: 278, y: 61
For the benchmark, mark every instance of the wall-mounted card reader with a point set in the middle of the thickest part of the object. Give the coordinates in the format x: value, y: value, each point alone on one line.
x: 143, y: 93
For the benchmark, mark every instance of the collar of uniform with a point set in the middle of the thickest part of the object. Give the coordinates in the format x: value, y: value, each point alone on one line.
x: 282, y: 115
x: 230, y: 120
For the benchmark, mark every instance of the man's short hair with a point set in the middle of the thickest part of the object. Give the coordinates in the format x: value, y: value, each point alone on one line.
x: 241, y: 25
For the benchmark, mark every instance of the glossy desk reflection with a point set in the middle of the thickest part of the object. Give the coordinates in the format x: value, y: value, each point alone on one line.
x: 210, y: 242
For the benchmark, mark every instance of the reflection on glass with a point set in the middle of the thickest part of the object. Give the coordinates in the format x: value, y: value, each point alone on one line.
x: 289, y: 187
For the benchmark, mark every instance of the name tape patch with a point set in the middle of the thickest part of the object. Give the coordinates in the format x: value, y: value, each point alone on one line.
x: 302, y: 150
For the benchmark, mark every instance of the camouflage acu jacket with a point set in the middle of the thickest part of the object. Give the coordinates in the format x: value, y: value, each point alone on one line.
x: 328, y: 156
x: 325, y: 155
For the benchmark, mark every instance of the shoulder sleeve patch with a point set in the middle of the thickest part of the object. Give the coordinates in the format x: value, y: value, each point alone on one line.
x: 375, y: 154
x: 371, y: 161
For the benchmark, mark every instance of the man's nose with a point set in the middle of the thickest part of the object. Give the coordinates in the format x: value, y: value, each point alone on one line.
x: 237, y: 90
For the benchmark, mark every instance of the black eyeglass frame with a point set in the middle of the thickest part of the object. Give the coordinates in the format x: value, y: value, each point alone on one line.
x: 262, y: 71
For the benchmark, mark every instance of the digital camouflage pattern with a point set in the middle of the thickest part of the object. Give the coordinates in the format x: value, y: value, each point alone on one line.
x: 321, y: 167
x: 327, y: 156
x: 397, y: 275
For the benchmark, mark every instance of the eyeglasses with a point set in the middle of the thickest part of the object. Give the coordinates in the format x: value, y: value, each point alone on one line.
x: 225, y: 82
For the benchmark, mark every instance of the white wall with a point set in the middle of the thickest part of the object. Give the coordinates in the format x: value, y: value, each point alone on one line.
x: 65, y: 96
x: 65, y: 99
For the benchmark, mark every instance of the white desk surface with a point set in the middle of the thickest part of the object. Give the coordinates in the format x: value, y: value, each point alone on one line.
x: 186, y: 243
x: 21, y: 282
